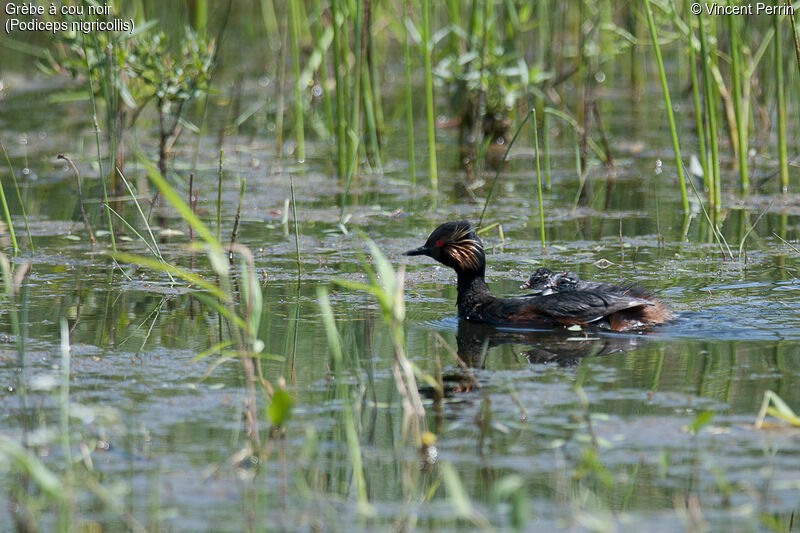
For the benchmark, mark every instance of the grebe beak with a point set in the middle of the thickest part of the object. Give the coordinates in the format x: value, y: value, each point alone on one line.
x: 422, y: 250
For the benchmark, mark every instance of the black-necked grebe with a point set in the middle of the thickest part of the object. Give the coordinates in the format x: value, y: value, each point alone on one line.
x: 456, y: 245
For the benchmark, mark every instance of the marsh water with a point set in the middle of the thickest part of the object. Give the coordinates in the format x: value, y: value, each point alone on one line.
x: 580, y: 430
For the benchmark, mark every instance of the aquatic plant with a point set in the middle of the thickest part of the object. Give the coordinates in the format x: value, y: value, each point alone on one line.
x: 668, y: 106
x: 6, y: 213
x: 128, y: 71
x: 387, y: 288
x: 430, y: 120
x: 7, y: 216
x: 242, y: 313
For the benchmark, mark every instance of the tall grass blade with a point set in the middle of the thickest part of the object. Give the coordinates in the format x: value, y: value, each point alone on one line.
x: 27, y: 462
x: 780, y: 99
x: 294, y: 33
x: 19, y: 197
x: 219, y: 196
x: 538, y: 176
x: 412, y: 172
x: 427, y: 51
x: 97, y: 142
x: 698, y: 109
x: 296, y: 227
x: 7, y: 217
x: 339, y: 66
x: 713, y: 183
x: 321, y: 47
x: 740, y: 112
x: 668, y: 104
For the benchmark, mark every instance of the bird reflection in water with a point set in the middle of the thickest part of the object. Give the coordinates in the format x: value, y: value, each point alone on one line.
x: 561, y: 346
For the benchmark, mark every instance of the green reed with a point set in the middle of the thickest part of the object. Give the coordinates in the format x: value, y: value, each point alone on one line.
x: 373, y: 57
x: 86, y: 223
x: 279, y: 111
x: 97, y: 141
x: 321, y: 46
x: 780, y: 100
x: 19, y: 199
x: 349, y: 180
x: 355, y: 94
x: 713, y: 183
x: 427, y: 53
x: 201, y: 16
x: 546, y: 150
x: 740, y: 108
x: 7, y: 214
x: 370, y: 107
x: 673, y: 130
x: 296, y: 228
x: 370, y: 86
x: 299, y: 111
x: 538, y: 176
x: 151, y: 245
x: 406, y: 20
x: 340, y: 73
x: 219, y: 195
x: 698, y: 109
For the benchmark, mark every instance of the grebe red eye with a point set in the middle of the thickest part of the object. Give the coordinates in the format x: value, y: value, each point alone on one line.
x: 439, y: 243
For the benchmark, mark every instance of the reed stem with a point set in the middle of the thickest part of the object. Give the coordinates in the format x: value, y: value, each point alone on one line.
x: 7, y: 217
x: 412, y: 171
x: 427, y: 48
x: 219, y: 196
x: 668, y: 104
x: 19, y: 197
x: 294, y: 33
x: 714, y: 194
x: 339, y: 66
x: 538, y: 176
x: 698, y: 110
x: 780, y: 98
x: 739, y: 112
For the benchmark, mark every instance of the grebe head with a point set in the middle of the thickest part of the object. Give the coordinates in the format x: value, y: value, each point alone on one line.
x: 455, y: 244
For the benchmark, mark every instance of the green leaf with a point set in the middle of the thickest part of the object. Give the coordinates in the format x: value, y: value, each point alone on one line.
x: 700, y: 420
x: 455, y: 491
x: 27, y: 462
x: 280, y: 408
